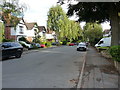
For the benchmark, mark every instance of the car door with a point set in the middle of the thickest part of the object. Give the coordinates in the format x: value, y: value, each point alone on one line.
x: 6, y: 50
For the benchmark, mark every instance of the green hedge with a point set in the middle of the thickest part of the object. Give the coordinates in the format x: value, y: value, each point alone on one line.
x: 8, y: 40
x: 115, y: 52
x: 48, y: 44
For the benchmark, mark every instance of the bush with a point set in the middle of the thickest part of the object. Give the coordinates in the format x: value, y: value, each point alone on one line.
x: 48, y: 44
x: 68, y: 43
x: 43, y: 43
x: 115, y: 52
x: 64, y: 42
x: 7, y: 40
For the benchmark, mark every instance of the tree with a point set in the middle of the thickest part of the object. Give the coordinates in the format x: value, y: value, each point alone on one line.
x: 100, y: 12
x: 67, y: 30
x: 1, y: 31
x: 92, y: 32
x: 55, y: 15
x: 10, y: 11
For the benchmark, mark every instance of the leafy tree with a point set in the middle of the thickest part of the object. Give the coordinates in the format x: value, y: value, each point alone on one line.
x: 10, y: 12
x: 93, y: 32
x: 58, y: 21
x: 99, y: 11
x: 1, y: 31
x: 55, y: 16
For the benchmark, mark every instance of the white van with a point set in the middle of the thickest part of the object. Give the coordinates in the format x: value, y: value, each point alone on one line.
x: 104, y: 42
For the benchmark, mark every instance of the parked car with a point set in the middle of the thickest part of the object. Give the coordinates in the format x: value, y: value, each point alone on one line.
x: 71, y: 44
x: 42, y: 45
x: 11, y: 49
x: 36, y: 45
x: 55, y: 43
x: 26, y: 45
x: 81, y: 47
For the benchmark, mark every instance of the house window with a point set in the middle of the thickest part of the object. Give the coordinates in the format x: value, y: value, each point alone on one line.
x: 21, y: 29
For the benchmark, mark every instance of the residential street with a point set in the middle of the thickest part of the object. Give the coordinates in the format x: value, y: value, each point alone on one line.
x: 49, y: 68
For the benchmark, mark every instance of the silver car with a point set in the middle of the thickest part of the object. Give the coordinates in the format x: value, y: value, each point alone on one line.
x: 81, y: 47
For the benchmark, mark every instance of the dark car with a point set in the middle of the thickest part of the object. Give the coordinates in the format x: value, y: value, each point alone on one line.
x: 10, y: 49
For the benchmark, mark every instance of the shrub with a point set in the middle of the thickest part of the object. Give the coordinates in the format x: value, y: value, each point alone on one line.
x: 7, y: 40
x: 115, y: 52
x: 64, y: 42
x: 48, y: 44
x: 42, y: 42
x: 68, y: 43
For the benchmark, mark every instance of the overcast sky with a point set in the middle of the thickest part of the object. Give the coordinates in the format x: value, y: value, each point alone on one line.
x: 37, y: 11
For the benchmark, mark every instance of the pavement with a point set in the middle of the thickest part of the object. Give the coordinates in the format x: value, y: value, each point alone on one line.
x: 99, y: 72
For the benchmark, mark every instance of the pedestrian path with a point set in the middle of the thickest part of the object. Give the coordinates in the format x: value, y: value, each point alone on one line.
x: 99, y: 72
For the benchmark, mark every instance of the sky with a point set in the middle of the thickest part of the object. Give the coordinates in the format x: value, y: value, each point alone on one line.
x: 37, y: 12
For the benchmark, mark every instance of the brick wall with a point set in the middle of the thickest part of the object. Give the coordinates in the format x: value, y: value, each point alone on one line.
x: 8, y: 34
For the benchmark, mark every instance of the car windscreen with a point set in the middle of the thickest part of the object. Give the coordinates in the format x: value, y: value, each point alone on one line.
x: 82, y: 45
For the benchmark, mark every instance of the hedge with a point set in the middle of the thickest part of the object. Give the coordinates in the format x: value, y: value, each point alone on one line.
x: 115, y: 52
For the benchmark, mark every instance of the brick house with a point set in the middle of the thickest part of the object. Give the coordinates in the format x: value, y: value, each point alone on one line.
x: 23, y: 29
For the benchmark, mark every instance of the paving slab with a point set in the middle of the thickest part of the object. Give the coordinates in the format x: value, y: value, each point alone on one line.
x: 99, y: 72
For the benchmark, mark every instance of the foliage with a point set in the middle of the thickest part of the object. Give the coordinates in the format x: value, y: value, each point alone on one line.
x: 1, y: 31
x: 7, y: 40
x: 37, y: 36
x: 10, y: 11
x: 105, y: 48
x: 100, y: 12
x: 48, y: 43
x: 54, y: 15
x: 115, y: 52
x: 43, y: 43
x: 66, y: 30
x: 92, y: 32
x: 95, y: 9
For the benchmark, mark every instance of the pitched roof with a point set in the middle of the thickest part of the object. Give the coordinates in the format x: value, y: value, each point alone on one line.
x: 30, y: 25
x: 41, y: 28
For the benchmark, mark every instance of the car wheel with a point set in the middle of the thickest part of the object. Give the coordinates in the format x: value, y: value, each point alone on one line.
x: 77, y: 49
x: 84, y: 49
x: 18, y: 55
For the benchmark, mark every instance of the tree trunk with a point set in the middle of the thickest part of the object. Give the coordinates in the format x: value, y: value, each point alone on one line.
x: 115, y: 26
x: 119, y: 29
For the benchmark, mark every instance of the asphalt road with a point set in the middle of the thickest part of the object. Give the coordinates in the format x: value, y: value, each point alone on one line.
x: 50, y: 68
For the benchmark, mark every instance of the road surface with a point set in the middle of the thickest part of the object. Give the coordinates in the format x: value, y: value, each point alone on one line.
x: 50, y: 68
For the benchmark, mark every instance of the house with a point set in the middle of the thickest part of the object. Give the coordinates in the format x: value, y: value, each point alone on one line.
x: 17, y: 32
x: 107, y: 33
x: 50, y: 35
x: 23, y: 29
x: 28, y: 30
x: 42, y: 30
x: 32, y: 31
